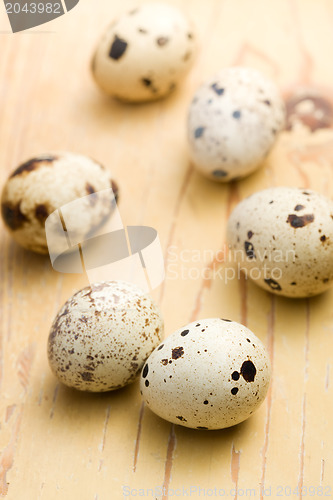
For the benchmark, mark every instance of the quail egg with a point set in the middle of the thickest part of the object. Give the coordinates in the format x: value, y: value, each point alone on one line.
x: 45, y: 183
x: 102, y: 336
x: 282, y: 239
x: 145, y: 54
x: 233, y: 122
x: 210, y: 374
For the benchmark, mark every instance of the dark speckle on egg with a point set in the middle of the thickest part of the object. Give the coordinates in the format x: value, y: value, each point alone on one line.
x: 199, y: 132
x: 248, y: 371
x: 300, y: 221
x: 220, y: 173
x: 218, y: 90
x: 13, y: 215
x: 34, y: 164
x: 162, y: 40
x: 177, y: 352
x: 249, y: 250
x: 87, y: 376
x: 146, y: 81
x: 118, y: 48
x: 145, y: 371
x: 274, y: 285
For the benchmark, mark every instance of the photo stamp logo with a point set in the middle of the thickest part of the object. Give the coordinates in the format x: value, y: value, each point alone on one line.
x: 23, y: 14
x: 226, y: 265
x: 109, y: 251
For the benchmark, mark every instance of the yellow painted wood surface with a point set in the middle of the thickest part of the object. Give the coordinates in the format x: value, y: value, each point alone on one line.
x: 58, y: 443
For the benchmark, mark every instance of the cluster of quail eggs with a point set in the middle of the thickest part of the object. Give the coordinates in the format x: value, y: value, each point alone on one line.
x: 212, y: 373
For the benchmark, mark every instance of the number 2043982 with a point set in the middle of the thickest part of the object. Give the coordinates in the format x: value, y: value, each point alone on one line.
x: 304, y: 491
x: 33, y: 8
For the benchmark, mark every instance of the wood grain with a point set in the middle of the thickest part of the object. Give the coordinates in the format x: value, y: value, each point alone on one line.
x: 58, y: 443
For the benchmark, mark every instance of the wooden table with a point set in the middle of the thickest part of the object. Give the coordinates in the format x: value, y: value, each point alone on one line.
x: 58, y: 443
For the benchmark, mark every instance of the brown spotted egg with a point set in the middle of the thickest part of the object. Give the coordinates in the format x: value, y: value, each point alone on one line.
x: 145, y: 54
x: 282, y: 239
x: 210, y: 374
x: 102, y: 336
x: 47, y: 182
x: 233, y: 122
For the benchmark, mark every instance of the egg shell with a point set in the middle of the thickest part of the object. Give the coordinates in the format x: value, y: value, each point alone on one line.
x: 233, y: 122
x: 210, y: 374
x: 282, y: 238
x: 144, y: 55
x: 102, y: 336
x: 45, y: 183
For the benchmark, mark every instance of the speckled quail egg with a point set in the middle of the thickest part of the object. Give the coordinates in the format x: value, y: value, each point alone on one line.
x: 282, y: 238
x: 45, y: 183
x: 102, y: 336
x: 210, y: 374
x: 145, y: 54
x: 233, y: 122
